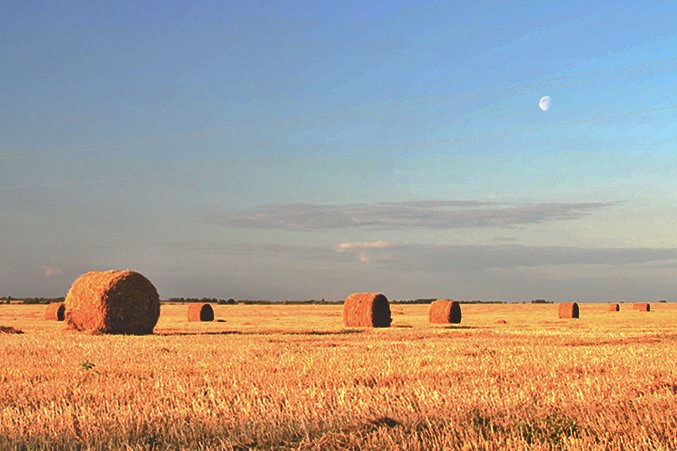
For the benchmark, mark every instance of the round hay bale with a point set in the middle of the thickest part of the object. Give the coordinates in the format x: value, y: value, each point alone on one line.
x: 641, y: 306
x: 366, y: 310
x: 114, y: 302
x: 56, y: 311
x: 568, y: 310
x: 614, y: 307
x: 200, y: 312
x: 445, y: 311
x: 501, y: 321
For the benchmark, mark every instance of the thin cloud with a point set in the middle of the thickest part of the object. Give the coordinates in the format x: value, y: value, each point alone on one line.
x: 468, y: 258
x: 342, y: 247
x: 504, y: 238
x: 451, y: 258
x: 433, y: 214
x: 259, y: 249
x: 361, y: 245
x: 52, y: 271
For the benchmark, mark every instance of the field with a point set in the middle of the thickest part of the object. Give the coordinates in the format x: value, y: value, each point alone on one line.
x: 292, y: 377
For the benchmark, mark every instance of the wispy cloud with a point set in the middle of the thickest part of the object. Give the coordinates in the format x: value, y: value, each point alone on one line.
x: 432, y: 214
x: 465, y: 258
x: 51, y: 270
x: 360, y: 246
x: 454, y: 258
x: 341, y: 247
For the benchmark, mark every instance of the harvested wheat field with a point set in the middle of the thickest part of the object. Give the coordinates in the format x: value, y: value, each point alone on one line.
x: 293, y: 377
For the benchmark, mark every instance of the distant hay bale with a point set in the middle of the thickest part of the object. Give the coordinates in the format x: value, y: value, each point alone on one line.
x: 56, y: 311
x: 614, y: 307
x: 568, y: 310
x: 115, y: 302
x: 445, y: 311
x: 501, y: 321
x: 641, y: 306
x: 200, y: 312
x: 366, y: 310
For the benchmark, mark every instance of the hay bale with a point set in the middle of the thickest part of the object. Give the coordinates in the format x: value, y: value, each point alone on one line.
x: 614, y: 307
x: 56, y: 311
x: 445, y: 311
x: 568, y: 310
x: 641, y: 306
x: 366, y: 310
x: 116, y: 302
x: 200, y: 312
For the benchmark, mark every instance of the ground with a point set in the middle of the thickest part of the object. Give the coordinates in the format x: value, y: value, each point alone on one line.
x: 292, y: 377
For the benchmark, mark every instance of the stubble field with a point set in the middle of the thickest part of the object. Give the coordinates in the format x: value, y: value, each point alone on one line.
x: 292, y: 377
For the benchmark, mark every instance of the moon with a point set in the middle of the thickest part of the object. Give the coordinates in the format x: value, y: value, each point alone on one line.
x: 545, y: 103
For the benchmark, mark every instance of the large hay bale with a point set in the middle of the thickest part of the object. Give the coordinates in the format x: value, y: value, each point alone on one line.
x: 614, y: 307
x: 445, y: 311
x: 366, y: 310
x: 200, y: 312
x: 641, y: 306
x: 56, y: 311
x: 568, y: 310
x: 117, y: 302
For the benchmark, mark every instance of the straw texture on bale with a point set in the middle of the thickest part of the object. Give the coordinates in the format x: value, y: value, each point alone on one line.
x: 614, y: 307
x: 445, y: 311
x: 641, y: 306
x: 115, y: 302
x: 56, y: 311
x: 568, y: 310
x: 200, y: 312
x: 366, y: 310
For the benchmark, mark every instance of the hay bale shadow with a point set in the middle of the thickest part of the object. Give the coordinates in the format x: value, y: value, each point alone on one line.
x: 262, y: 333
x: 10, y: 330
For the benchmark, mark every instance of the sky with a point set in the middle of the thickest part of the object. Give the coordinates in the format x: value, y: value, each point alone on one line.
x: 308, y: 150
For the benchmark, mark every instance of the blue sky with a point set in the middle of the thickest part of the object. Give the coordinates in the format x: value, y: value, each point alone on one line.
x: 285, y: 150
